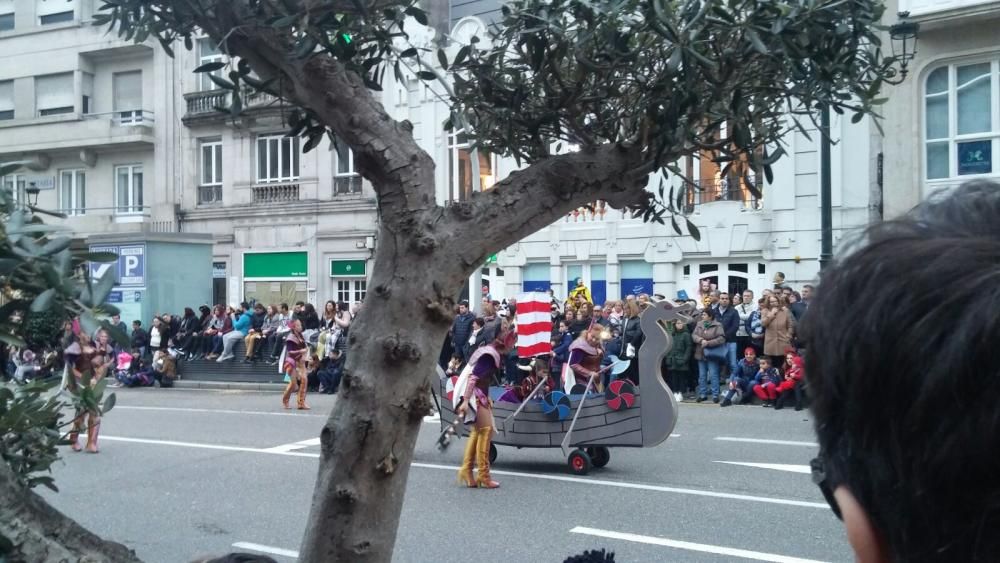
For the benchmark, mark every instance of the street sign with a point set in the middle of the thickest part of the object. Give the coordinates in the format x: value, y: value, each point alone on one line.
x: 130, y: 268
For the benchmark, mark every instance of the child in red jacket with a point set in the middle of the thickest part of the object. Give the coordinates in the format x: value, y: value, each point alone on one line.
x: 793, y: 375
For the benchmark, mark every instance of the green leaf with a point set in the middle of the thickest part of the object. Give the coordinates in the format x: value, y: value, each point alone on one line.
x: 211, y: 67
x: 426, y: 75
x: 222, y: 82
x: 285, y: 21
x: 100, y: 257
x: 417, y: 14
x: 463, y: 53
x: 104, y: 286
x: 109, y: 403
x: 443, y: 59
x: 407, y: 53
x: 44, y: 300
x: 693, y: 230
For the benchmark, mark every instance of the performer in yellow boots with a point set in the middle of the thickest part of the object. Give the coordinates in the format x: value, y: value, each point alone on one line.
x: 473, y: 390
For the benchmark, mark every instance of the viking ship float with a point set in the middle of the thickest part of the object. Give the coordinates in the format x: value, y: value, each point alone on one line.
x: 586, y: 425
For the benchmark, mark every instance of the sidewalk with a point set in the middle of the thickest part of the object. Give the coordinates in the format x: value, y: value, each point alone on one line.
x: 228, y: 385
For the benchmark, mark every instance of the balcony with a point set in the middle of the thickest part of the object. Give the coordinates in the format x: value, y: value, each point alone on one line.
x: 209, y: 105
x: 274, y: 193
x: 711, y: 191
x: 950, y: 11
x: 70, y: 131
x: 347, y: 185
x: 588, y: 213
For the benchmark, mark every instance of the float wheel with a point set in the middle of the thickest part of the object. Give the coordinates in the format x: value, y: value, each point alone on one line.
x: 599, y: 456
x: 579, y: 462
x: 493, y: 453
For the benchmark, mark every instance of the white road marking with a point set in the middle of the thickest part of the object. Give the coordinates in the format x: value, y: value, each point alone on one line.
x: 294, y: 446
x: 700, y: 547
x: 542, y: 476
x: 776, y: 466
x: 639, y: 486
x: 218, y: 411
x: 765, y: 441
x: 266, y: 549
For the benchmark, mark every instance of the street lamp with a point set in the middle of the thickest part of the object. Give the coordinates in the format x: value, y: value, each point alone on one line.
x: 904, y: 41
x: 903, y: 35
x: 32, y: 191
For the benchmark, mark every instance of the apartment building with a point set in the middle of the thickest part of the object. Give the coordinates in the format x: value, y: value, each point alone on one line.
x: 943, y: 123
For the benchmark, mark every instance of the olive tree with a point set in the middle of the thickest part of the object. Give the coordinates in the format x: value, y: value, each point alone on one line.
x: 630, y: 85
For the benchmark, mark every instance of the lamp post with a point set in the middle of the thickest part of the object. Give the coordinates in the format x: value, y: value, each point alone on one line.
x: 32, y: 192
x: 903, y: 36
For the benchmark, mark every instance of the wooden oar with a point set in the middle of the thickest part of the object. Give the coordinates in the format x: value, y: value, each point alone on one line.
x: 618, y: 367
x: 523, y: 403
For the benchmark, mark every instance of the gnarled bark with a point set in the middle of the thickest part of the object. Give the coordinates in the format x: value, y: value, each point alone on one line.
x: 32, y: 531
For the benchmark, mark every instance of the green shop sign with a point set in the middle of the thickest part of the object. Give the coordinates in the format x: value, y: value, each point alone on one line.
x: 347, y: 268
x: 276, y: 265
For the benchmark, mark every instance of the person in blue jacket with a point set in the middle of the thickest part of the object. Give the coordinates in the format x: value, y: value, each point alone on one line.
x: 242, y: 320
x: 560, y: 348
x: 742, y: 379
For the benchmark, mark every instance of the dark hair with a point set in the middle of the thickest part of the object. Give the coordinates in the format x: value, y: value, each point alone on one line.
x: 766, y: 359
x: 284, y: 306
x: 922, y: 459
x: 592, y: 556
x: 188, y: 312
x: 300, y: 303
x: 709, y: 311
x: 136, y: 323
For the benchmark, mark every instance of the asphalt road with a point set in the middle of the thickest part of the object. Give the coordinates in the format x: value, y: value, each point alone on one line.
x: 188, y: 473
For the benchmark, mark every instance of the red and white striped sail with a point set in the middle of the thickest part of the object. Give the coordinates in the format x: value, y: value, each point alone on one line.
x: 534, y: 324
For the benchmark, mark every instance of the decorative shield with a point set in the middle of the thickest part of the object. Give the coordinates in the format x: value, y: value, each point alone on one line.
x: 620, y: 394
x: 556, y: 405
x: 449, y: 388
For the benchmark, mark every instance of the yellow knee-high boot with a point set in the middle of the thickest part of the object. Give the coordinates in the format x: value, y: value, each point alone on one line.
x: 465, y: 471
x: 483, y: 458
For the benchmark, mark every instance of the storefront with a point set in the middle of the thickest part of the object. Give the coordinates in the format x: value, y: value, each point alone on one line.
x: 272, y: 278
x: 636, y: 278
x: 350, y: 280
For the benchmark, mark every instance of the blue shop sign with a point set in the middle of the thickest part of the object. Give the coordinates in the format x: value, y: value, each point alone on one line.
x: 637, y: 286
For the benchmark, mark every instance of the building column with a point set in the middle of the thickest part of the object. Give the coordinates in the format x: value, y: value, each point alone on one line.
x: 613, y: 273
x: 664, y: 279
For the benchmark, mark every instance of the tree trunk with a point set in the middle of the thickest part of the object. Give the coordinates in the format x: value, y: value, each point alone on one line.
x: 32, y: 531
x: 367, y: 443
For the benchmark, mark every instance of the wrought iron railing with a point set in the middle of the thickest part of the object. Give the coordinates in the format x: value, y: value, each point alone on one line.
x: 347, y: 185
x: 700, y: 192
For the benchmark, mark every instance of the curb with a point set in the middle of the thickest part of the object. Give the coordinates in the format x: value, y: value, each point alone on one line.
x: 228, y: 385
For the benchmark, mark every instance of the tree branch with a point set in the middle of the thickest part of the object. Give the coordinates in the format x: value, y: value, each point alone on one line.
x: 384, y: 149
x: 38, y: 532
x: 533, y: 198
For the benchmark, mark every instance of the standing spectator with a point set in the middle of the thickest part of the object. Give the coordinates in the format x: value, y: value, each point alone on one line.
x: 491, y: 326
x: 601, y: 316
x: 779, y: 325
x: 730, y: 321
x: 796, y: 306
x: 242, y: 321
x: 569, y: 317
x: 779, y: 280
x: 461, y: 329
x: 583, y: 319
x: 631, y: 341
x: 744, y: 309
x: 617, y: 312
x: 678, y: 359
x: 560, y: 347
x: 755, y: 327
x: 140, y: 339
x: 116, y: 322
x: 708, y: 334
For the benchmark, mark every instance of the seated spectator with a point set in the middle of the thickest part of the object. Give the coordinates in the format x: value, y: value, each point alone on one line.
x: 255, y: 333
x: 741, y: 380
x: 280, y: 333
x: 220, y: 324
x: 332, y: 371
x: 904, y: 388
x: 790, y: 387
x: 123, y: 369
x: 240, y: 328
x: 27, y: 366
x: 187, y: 330
x: 164, y: 368
x: 765, y: 383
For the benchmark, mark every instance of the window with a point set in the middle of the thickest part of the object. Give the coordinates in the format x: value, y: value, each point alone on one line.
x: 128, y: 189
x: 962, y: 120
x: 6, y: 15
x: 277, y: 158
x: 351, y: 291
x: 346, y: 179
x: 127, y: 97
x: 50, y: 12
x: 460, y: 168
x: 210, y: 183
x: 87, y: 83
x: 207, y: 53
x: 6, y: 100
x: 54, y: 94
x: 14, y: 183
x: 73, y: 192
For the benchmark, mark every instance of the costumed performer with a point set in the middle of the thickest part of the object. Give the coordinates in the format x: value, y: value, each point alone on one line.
x: 294, y: 366
x: 87, y: 365
x: 473, y: 405
x: 585, y: 356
